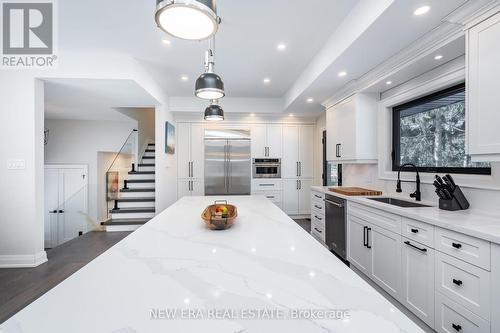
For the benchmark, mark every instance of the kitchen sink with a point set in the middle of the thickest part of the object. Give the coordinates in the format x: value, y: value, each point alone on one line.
x: 399, y: 203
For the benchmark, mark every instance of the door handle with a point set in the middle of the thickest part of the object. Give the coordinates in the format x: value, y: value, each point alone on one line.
x: 337, y: 150
x: 319, y: 218
x: 300, y: 184
x: 368, y: 229
x: 416, y: 247
x: 300, y: 169
x: 318, y: 230
x: 53, y: 211
x: 296, y: 184
x: 340, y: 150
x: 333, y: 203
x: 297, y: 168
x: 319, y: 207
x: 364, y: 236
x: 192, y: 169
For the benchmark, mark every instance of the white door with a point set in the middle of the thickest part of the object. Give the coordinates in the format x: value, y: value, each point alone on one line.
x: 259, y: 140
x: 291, y: 196
x: 72, y: 218
x: 51, y: 206
x: 183, y: 150
x: 183, y: 188
x: 198, y: 187
x: 306, y: 151
x: 66, y: 200
x: 418, y: 280
x: 274, y: 140
x: 305, y: 197
x: 386, y: 259
x: 358, y: 253
x: 482, y: 87
x: 289, y: 162
x: 197, y: 151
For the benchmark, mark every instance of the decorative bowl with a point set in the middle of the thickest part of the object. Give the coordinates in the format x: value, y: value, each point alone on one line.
x: 217, y: 221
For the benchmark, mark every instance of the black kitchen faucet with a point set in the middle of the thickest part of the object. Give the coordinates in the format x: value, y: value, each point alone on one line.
x: 417, y: 194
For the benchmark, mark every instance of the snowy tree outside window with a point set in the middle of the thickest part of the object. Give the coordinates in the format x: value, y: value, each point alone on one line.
x: 430, y: 133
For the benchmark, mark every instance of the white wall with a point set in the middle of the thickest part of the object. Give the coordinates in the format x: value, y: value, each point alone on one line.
x: 145, y: 124
x: 79, y: 142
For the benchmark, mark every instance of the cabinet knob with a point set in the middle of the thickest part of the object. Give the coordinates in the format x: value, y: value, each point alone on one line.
x: 456, y: 245
x: 415, y: 231
x: 457, y: 282
x: 457, y: 328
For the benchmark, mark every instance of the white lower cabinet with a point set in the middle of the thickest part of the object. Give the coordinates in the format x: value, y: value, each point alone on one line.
x: 442, y: 276
x: 386, y: 259
x: 297, y: 196
x: 417, y: 292
x: 190, y: 187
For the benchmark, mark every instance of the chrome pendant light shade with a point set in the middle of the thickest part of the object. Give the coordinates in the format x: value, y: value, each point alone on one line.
x: 209, y: 86
x: 214, y: 112
x: 187, y: 19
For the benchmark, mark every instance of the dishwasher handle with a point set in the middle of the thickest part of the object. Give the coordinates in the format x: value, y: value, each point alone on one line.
x: 334, y: 203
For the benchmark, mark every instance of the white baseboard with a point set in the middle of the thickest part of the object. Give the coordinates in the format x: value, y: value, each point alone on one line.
x: 23, y: 260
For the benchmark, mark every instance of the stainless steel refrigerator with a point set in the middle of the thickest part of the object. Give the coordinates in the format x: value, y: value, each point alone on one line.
x: 227, y: 162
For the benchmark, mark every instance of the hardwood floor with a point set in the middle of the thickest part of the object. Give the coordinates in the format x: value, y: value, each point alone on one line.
x: 21, y: 286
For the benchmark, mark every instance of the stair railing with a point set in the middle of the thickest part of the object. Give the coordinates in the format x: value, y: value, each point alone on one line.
x: 123, y: 162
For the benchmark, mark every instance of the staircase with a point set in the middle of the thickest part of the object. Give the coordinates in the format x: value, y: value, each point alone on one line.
x: 136, y: 204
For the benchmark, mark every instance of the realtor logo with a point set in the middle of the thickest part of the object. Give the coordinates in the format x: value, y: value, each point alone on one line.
x: 27, y: 34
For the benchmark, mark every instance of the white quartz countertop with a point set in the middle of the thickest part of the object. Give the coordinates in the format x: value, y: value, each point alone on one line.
x: 471, y: 222
x: 264, y: 266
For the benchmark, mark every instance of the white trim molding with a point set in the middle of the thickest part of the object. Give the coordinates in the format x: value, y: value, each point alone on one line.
x: 23, y: 260
x: 440, y: 78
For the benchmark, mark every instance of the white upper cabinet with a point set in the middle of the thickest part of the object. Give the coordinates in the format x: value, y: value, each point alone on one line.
x: 352, y: 130
x: 190, y: 151
x: 266, y: 141
x: 306, y: 151
x: 483, y: 98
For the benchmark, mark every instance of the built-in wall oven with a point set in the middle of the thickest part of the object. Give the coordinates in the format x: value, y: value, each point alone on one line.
x: 267, y: 168
x: 336, y: 225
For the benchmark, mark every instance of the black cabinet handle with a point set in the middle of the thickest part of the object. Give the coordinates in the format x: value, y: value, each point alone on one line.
x: 319, y: 218
x: 457, y: 282
x: 457, y: 328
x: 337, y: 150
x: 318, y: 196
x: 456, y: 245
x: 318, y: 207
x: 61, y: 211
x: 364, y: 236
x: 415, y: 231
x: 415, y: 247
x: 318, y: 230
x: 368, y: 238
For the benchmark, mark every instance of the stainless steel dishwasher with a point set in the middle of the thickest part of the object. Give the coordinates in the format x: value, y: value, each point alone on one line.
x: 336, y: 225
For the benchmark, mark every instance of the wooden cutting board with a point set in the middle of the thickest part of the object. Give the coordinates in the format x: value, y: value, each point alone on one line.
x: 354, y: 191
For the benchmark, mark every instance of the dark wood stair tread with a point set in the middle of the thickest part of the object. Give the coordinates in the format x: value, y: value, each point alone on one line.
x: 125, y: 222
x: 138, y: 199
x: 141, y: 173
x: 150, y: 151
x: 148, y: 157
x: 137, y: 189
x: 146, y: 164
x: 132, y: 210
x: 132, y: 181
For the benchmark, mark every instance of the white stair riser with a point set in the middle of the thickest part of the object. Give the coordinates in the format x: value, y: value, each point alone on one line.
x: 137, y: 194
x: 140, y: 177
x: 148, y: 160
x: 118, y: 228
x: 149, y: 153
x: 141, y: 185
x: 148, y: 168
x: 144, y: 204
x: 132, y: 216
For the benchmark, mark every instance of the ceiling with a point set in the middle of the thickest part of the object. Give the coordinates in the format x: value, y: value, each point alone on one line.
x: 86, y: 99
x: 316, y: 33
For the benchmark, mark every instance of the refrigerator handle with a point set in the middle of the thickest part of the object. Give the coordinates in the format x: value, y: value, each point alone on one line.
x: 225, y: 168
x: 229, y: 168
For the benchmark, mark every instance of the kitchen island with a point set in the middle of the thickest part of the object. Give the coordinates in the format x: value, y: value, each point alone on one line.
x: 265, y: 274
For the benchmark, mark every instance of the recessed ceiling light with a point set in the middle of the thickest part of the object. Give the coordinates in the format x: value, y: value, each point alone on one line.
x: 421, y: 10
x: 184, y: 77
x: 438, y: 57
x: 281, y: 47
x: 342, y: 74
x: 267, y: 80
x: 388, y: 83
x: 166, y: 41
x: 290, y: 115
x: 252, y: 114
x: 310, y: 100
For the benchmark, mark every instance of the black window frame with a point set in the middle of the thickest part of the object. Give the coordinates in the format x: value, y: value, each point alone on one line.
x: 396, y: 135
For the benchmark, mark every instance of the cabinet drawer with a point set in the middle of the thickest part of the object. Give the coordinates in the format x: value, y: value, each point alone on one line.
x: 378, y: 217
x: 453, y: 318
x: 318, y: 228
x: 318, y: 206
x: 273, y: 196
x: 463, y: 283
x: 418, y: 231
x: 473, y: 250
x: 267, y: 184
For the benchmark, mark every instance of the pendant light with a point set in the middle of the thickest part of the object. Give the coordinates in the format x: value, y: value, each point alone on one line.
x: 210, y: 85
x: 187, y: 19
x: 214, y: 112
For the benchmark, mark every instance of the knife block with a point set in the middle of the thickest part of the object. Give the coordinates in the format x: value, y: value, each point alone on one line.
x: 458, y: 202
